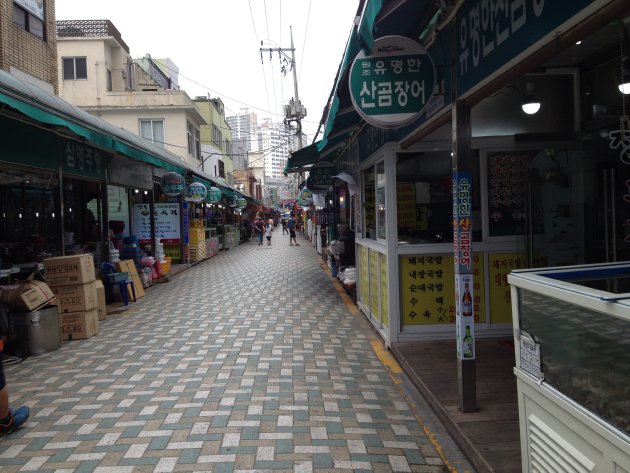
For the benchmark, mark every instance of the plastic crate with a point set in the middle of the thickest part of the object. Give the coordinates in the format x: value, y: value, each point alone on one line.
x: 117, y: 277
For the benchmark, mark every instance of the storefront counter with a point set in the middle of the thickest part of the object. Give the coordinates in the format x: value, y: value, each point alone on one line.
x: 571, y: 327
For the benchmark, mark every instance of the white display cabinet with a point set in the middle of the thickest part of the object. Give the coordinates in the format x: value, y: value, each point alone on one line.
x: 572, y: 343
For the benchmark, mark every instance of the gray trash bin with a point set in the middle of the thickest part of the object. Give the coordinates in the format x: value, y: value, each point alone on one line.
x: 43, y: 330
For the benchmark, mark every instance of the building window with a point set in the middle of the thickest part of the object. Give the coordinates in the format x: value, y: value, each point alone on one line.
x: 28, y: 21
x: 197, y: 145
x: 109, y: 81
x: 194, y: 140
x: 153, y: 130
x: 221, y: 169
x: 74, y: 68
x: 217, y: 137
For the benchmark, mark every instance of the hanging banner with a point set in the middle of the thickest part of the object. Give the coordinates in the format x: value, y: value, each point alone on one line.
x: 172, y: 184
x: 391, y: 87
x: 196, y: 192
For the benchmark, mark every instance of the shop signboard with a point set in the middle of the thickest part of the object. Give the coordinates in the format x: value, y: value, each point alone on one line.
x: 124, y: 173
x: 196, y: 192
x: 214, y: 195
x: 83, y: 160
x: 306, y: 196
x: 241, y: 203
x: 166, y: 222
x: 490, y: 34
x: 230, y: 201
x: 321, y: 177
x: 391, y: 86
x: 172, y: 184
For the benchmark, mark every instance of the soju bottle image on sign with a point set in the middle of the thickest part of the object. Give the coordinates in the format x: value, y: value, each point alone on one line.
x: 467, y: 306
x: 468, y: 344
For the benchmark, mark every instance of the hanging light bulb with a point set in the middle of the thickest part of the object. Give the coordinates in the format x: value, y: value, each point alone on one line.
x: 531, y: 104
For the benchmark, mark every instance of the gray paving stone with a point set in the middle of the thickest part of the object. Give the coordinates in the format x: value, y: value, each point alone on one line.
x: 222, y: 369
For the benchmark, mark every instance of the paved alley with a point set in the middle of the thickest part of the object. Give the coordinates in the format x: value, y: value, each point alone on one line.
x: 249, y: 361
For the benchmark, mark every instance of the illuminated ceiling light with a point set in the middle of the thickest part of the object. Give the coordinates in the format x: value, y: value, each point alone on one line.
x: 624, y: 84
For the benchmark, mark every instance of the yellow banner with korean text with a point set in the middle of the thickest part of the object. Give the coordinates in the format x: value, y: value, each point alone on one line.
x: 427, y: 286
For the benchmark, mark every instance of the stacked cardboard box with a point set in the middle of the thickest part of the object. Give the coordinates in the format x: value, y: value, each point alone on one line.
x: 73, y: 281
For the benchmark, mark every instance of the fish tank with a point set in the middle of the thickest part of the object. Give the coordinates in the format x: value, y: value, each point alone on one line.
x: 572, y: 342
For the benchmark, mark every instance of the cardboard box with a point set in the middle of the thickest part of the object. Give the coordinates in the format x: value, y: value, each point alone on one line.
x: 76, y: 297
x: 101, y: 304
x: 79, y: 325
x: 65, y: 270
x: 26, y: 296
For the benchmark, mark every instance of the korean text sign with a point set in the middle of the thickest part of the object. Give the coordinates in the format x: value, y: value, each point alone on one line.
x: 391, y: 87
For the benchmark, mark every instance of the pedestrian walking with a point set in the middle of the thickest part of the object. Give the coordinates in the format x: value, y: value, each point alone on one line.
x: 269, y: 231
x: 259, y: 229
x: 292, y: 226
x: 285, y: 230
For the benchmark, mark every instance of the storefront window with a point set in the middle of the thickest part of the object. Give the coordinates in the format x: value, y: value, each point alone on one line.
x: 29, y: 216
x: 424, y: 198
x: 83, y: 216
x: 369, y: 203
x: 380, y: 199
x: 118, y: 212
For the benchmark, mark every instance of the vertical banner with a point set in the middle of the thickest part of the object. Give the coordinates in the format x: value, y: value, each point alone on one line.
x: 463, y: 264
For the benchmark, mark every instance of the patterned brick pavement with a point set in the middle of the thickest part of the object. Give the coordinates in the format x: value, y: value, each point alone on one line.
x: 246, y: 362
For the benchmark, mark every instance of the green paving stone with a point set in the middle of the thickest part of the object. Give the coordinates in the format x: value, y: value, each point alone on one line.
x: 189, y: 456
x: 334, y: 427
x: 158, y: 443
x: 61, y: 455
x: 372, y: 440
x: 415, y: 457
x: 365, y: 457
x: 86, y: 466
x: 250, y: 433
x: 131, y: 432
x: 192, y: 412
x: 38, y: 443
x: 284, y: 446
x: 301, y: 416
x: 219, y: 421
x: 322, y: 461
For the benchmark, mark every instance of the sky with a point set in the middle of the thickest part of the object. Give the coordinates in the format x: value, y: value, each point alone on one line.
x: 217, y: 46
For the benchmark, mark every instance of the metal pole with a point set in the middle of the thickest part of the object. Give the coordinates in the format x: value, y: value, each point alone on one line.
x: 295, y: 86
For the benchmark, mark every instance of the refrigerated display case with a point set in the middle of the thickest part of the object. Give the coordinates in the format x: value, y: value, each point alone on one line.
x: 572, y: 343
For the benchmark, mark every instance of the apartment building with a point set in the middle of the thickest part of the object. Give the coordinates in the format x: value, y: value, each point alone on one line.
x: 98, y: 74
x: 216, y: 139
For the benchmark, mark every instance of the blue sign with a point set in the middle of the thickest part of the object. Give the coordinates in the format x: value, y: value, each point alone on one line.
x: 490, y: 34
x: 214, y: 195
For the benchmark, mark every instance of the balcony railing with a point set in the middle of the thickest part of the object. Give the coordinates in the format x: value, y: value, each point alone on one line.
x: 89, y: 29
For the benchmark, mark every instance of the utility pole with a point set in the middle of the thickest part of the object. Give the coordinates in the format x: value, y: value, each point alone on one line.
x: 294, y: 111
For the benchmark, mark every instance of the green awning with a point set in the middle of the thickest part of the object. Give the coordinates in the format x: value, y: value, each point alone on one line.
x: 50, y: 109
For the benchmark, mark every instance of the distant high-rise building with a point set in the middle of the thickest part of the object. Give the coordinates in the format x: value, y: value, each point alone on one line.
x: 243, y: 128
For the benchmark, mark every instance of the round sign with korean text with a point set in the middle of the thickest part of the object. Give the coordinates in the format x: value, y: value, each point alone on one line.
x: 241, y: 203
x: 214, y: 195
x: 172, y: 184
x: 391, y: 87
x: 196, y: 192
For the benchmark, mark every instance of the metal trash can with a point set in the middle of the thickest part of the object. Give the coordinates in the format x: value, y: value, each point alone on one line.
x: 44, y: 332
x: 35, y: 333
